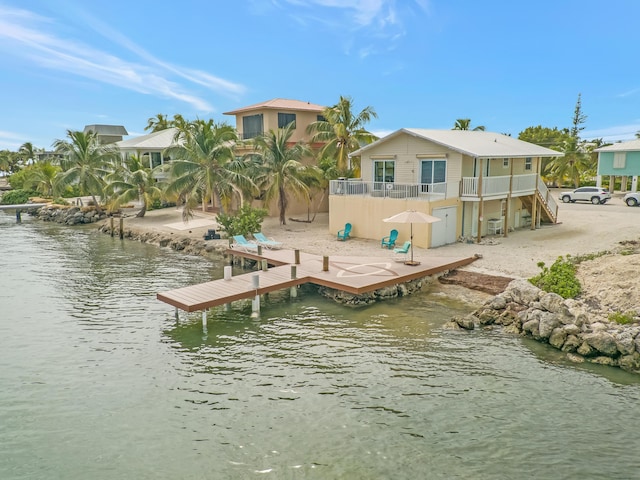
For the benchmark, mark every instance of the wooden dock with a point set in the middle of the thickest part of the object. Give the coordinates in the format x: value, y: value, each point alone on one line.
x: 350, y: 274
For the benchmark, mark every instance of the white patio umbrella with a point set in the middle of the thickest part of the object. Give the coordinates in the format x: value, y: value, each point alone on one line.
x: 411, y: 217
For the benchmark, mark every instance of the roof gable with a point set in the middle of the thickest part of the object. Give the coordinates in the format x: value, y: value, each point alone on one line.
x: 153, y: 141
x: 279, y: 104
x: 630, y: 146
x: 472, y: 143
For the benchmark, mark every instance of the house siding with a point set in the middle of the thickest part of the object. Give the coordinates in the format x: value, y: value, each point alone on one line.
x: 631, y: 168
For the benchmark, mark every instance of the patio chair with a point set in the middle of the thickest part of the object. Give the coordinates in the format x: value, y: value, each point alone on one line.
x: 400, y: 254
x: 345, y: 232
x: 242, y: 243
x: 390, y: 241
x: 267, y: 242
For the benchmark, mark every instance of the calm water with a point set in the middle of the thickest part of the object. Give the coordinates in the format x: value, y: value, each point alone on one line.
x: 98, y: 381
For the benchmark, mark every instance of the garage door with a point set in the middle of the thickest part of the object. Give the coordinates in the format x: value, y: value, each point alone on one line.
x: 444, y: 231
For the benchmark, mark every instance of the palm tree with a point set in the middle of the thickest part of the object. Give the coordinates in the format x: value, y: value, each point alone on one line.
x: 132, y: 181
x: 157, y: 123
x: 281, y: 169
x: 342, y: 132
x: 27, y: 153
x: 85, y: 162
x: 465, y: 124
x: 41, y: 177
x: 205, y: 166
x: 572, y: 165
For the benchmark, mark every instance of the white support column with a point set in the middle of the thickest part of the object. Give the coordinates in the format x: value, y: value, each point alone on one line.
x: 204, y: 321
x: 255, y: 303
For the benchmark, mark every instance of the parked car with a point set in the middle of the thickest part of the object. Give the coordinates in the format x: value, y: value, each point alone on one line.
x: 632, y: 199
x: 594, y: 195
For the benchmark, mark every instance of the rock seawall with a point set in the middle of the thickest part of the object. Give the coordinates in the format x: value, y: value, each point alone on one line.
x: 567, y: 325
x: 69, y: 215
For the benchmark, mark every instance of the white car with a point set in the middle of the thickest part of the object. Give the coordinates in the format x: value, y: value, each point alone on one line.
x: 632, y: 199
x: 594, y: 195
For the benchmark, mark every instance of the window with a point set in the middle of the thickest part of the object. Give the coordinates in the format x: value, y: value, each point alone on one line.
x: 156, y: 159
x: 619, y: 159
x: 432, y: 172
x: 285, y: 119
x: 252, y: 126
x: 505, y: 162
x: 528, y: 164
x: 384, y: 171
x: 320, y: 118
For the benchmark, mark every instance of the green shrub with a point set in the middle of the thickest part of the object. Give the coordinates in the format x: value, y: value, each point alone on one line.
x: 17, y: 197
x: 245, y: 221
x: 622, y: 318
x: 560, y: 278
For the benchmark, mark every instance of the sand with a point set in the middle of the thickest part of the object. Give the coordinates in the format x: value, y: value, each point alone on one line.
x: 582, y: 229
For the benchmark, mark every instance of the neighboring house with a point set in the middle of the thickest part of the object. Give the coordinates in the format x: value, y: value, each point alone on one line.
x: 619, y: 160
x: 476, y: 182
x: 107, y: 133
x: 273, y: 114
x: 149, y: 148
x: 277, y: 113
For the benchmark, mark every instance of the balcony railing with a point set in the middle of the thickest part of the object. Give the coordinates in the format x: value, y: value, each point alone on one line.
x: 497, y: 186
x: 422, y: 191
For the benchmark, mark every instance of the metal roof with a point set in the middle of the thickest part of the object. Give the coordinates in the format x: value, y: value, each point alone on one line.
x: 118, y: 130
x: 153, y: 141
x: 631, y: 146
x: 280, y: 104
x: 473, y: 143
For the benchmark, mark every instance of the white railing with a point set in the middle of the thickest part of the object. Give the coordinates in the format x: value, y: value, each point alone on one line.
x: 547, y: 197
x: 502, y: 185
x: 422, y: 191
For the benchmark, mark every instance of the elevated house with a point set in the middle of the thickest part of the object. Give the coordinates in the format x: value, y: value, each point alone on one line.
x: 478, y: 183
x: 254, y: 120
x: 619, y: 160
x: 149, y: 148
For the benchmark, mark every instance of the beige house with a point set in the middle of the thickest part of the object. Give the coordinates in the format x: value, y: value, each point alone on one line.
x: 478, y: 183
x: 149, y: 148
x: 273, y: 114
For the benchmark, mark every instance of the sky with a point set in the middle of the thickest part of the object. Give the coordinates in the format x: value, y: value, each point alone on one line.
x: 505, y: 64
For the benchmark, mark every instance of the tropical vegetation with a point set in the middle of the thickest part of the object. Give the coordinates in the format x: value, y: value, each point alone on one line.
x: 465, y: 124
x: 342, y: 132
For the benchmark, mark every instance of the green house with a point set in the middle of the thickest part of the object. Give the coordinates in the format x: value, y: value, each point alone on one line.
x: 620, y: 160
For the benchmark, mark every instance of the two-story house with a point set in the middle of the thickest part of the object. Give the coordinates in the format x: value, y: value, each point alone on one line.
x: 478, y: 183
x: 619, y: 160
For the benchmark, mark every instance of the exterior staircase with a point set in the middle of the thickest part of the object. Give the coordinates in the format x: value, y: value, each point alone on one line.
x: 548, y: 205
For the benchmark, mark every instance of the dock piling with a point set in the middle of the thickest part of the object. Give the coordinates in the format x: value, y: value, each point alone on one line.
x: 293, y: 291
x: 121, y: 228
x: 325, y: 263
x: 255, y: 303
x: 296, y: 254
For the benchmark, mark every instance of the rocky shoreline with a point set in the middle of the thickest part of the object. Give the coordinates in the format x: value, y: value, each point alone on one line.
x: 566, y: 325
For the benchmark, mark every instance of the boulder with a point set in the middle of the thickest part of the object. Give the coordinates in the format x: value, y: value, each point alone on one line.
x: 548, y: 323
x: 601, y: 341
x: 523, y: 292
x: 554, y: 303
x: 557, y: 337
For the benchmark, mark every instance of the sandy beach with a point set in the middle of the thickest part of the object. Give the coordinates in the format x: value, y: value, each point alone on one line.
x: 582, y: 229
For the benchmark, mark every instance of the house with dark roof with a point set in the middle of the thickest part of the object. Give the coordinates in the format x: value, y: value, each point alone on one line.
x: 107, y: 133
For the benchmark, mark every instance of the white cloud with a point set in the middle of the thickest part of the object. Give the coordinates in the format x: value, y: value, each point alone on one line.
x: 613, y: 134
x: 26, y: 35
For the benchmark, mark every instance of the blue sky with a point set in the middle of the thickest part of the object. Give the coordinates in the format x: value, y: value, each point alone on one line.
x: 505, y: 64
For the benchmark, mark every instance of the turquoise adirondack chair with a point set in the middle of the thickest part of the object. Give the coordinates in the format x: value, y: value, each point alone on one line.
x: 242, y: 243
x: 263, y: 240
x: 345, y: 232
x: 390, y: 241
x: 400, y: 254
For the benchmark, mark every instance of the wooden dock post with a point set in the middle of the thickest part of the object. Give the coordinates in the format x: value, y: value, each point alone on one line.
x: 121, y: 228
x: 296, y: 255
x: 325, y: 263
x: 204, y: 321
x: 259, y: 249
x: 264, y: 265
x: 111, y: 226
x: 18, y: 217
x: 293, y: 291
x: 255, y: 303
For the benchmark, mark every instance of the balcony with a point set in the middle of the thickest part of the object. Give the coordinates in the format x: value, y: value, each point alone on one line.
x: 416, y: 191
x: 498, y: 187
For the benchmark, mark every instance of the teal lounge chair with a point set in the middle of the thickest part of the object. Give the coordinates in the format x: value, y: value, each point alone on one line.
x: 390, y: 241
x: 267, y: 242
x: 345, y: 232
x: 242, y: 243
x: 400, y: 254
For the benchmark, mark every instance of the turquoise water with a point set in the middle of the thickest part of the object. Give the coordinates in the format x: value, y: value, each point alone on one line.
x: 99, y: 381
